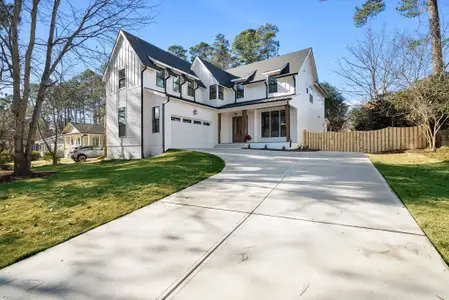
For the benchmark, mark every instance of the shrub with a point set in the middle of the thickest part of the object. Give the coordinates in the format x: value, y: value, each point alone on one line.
x: 248, y: 138
x: 49, y: 157
x: 5, y: 158
x: 283, y: 148
x: 266, y: 147
x: 36, y: 155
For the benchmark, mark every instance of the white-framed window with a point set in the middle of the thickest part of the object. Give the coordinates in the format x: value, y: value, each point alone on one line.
x: 155, y: 119
x: 273, y: 124
x: 190, y: 90
x: 95, y: 140
x: 272, y: 84
x: 240, y: 91
x: 176, y: 84
x: 220, y: 92
x: 213, y: 92
x: 121, y: 78
x: 122, y: 122
x: 160, y: 80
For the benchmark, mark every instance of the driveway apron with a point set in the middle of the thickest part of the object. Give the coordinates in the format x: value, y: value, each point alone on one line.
x: 272, y: 225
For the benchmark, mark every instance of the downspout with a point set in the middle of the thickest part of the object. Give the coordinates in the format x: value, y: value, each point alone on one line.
x: 141, y: 112
x: 294, y: 84
x: 235, y: 94
x: 163, y: 123
x: 266, y: 89
x: 165, y: 82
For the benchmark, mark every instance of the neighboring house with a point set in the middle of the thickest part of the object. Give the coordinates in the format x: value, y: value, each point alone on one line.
x: 156, y: 101
x: 76, y: 134
x: 41, y: 145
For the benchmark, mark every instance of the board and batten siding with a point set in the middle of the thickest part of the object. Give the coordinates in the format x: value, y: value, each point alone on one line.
x: 129, y: 146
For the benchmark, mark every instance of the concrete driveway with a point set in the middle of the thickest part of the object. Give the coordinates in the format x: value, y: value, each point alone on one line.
x: 272, y: 225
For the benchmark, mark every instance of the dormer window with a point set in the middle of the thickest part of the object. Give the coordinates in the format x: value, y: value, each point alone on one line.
x: 213, y: 92
x: 121, y: 78
x: 190, y: 90
x: 272, y: 84
x: 160, y: 81
x: 240, y: 91
x: 220, y: 92
x: 176, y: 84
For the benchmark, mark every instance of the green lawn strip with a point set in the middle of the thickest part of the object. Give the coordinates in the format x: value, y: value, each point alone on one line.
x: 36, y: 214
x: 421, y: 180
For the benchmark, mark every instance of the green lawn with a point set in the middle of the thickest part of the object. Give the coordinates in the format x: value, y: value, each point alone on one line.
x: 36, y: 214
x: 421, y: 180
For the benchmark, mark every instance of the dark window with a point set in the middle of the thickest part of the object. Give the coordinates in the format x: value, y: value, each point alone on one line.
x: 206, y: 123
x: 213, y: 92
x: 121, y: 122
x: 160, y: 81
x: 283, y: 124
x: 121, y: 79
x: 266, y: 124
x: 176, y: 119
x: 311, y: 98
x: 190, y: 91
x: 156, y: 118
x: 240, y: 91
x: 220, y: 92
x: 197, y: 122
x: 275, y: 124
x: 176, y: 84
x: 272, y: 85
x: 187, y: 120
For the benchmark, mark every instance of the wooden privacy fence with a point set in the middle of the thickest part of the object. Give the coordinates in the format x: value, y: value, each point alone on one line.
x: 388, y: 139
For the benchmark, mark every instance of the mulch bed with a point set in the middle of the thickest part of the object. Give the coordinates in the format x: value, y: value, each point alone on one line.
x: 11, y: 177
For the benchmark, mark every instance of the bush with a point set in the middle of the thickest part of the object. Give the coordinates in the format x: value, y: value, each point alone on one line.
x: 49, y: 157
x: 35, y: 155
x: 5, y: 158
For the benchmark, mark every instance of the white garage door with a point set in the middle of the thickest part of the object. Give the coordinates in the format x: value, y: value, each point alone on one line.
x: 191, y: 133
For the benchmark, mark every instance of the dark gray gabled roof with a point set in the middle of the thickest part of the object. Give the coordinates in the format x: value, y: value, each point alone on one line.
x: 223, y: 77
x: 144, y: 49
x: 291, y: 63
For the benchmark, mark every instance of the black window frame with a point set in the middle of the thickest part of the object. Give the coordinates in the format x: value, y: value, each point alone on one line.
x: 196, y: 122
x: 160, y: 78
x: 189, y: 121
x: 176, y: 83
x: 121, y: 121
x: 206, y: 123
x: 240, y: 90
x: 213, y: 92
x: 190, y: 89
x: 272, y: 84
x: 156, y: 118
x: 121, y: 78
x: 282, y: 132
x: 220, y: 92
x: 176, y: 119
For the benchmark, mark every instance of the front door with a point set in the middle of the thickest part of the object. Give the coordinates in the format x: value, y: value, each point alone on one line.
x: 237, y: 130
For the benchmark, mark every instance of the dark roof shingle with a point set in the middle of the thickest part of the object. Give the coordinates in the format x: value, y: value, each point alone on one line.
x: 223, y: 77
x: 88, y: 128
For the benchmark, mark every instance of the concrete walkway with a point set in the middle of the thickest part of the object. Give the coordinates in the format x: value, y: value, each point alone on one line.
x: 272, y: 225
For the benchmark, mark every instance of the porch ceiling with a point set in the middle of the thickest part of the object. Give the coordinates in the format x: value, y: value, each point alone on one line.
x: 256, y: 104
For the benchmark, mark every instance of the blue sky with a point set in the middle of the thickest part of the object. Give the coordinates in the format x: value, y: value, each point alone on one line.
x: 325, y: 26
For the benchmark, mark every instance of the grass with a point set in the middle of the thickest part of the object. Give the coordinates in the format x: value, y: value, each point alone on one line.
x: 38, y: 213
x: 421, y: 180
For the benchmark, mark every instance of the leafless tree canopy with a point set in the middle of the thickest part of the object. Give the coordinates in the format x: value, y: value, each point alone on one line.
x: 37, y: 36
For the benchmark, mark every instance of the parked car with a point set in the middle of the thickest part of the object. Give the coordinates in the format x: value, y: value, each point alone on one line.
x: 82, y: 153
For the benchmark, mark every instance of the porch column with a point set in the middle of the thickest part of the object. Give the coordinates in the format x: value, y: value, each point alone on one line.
x: 245, y: 123
x: 219, y: 128
x: 88, y: 139
x: 287, y: 122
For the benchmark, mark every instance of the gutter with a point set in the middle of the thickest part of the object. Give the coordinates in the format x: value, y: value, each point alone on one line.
x: 141, y: 112
x: 163, y: 123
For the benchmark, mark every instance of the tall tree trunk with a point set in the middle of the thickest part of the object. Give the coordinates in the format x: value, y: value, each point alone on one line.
x: 435, y: 33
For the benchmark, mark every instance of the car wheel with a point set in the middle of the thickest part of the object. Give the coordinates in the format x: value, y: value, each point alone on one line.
x: 82, y: 158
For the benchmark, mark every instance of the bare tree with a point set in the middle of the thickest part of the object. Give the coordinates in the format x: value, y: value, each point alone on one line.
x: 368, y: 70
x: 74, y: 29
x: 424, y: 98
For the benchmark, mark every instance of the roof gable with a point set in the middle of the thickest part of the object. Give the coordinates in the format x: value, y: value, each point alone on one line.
x: 83, y: 128
x: 224, y: 78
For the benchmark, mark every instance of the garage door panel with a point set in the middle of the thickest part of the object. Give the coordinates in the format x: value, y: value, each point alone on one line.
x: 193, y: 134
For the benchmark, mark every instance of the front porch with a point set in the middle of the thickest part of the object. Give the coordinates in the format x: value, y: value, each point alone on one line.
x: 269, y: 127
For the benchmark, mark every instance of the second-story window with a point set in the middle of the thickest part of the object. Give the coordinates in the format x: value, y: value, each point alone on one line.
x: 160, y: 81
x: 121, y: 78
x: 176, y: 85
x: 272, y: 84
x: 213, y: 92
x: 220, y: 92
x: 240, y: 91
x: 190, y: 91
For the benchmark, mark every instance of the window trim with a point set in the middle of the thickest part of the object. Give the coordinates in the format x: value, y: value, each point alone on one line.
x: 189, y: 121
x: 161, y: 78
x: 155, y: 119
x: 122, y: 133
x: 272, y: 85
x: 240, y: 91
x: 196, y: 122
x: 121, y: 79
x: 191, y: 89
x: 213, y: 90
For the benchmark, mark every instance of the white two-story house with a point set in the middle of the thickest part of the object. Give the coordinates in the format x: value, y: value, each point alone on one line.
x: 157, y: 101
